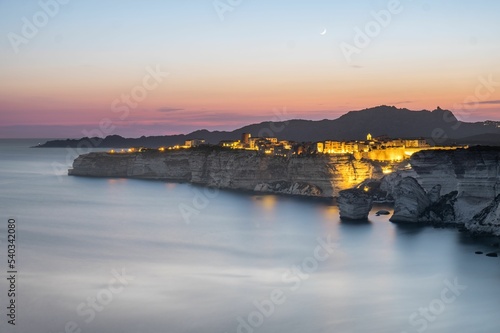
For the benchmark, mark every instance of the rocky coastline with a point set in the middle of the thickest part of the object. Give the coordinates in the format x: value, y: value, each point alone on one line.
x: 314, y: 176
x: 354, y: 204
x: 458, y: 187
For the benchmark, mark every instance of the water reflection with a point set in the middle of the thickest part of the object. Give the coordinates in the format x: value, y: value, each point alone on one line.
x: 205, y: 275
x: 266, y: 202
x: 329, y: 212
x: 116, y: 181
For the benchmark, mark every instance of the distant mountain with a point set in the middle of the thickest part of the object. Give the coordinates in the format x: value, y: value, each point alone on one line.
x: 488, y: 139
x: 439, y: 126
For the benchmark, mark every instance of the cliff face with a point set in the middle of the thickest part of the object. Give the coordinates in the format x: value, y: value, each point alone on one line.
x: 322, y: 176
x: 487, y: 220
x: 411, y: 201
x: 471, y: 172
x: 469, y: 180
x: 453, y: 186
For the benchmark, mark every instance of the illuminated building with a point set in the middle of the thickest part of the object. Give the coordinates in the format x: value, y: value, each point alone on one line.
x: 351, y: 147
x: 319, y: 147
x: 245, y: 138
x: 334, y: 147
x: 416, y: 143
x: 272, y: 140
x: 193, y: 143
x: 231, y: 144
x: 387, y: 170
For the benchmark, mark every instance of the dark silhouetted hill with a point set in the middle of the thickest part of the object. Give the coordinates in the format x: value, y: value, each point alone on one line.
x: 439, y: 126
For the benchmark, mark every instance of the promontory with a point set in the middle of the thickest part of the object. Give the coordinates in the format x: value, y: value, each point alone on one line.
x: 459, y: 186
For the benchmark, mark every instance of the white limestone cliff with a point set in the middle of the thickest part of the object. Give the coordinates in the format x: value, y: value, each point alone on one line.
x: 411, y: 201
x: 469, y: 180
x: 453, y: 186
x: 488, y: 220
x: 321, y: 176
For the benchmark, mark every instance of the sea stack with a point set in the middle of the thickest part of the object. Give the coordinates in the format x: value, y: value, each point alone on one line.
x: 354, y: 204
x: 411, y: 201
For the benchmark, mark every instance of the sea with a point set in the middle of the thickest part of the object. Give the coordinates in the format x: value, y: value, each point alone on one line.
x: 104, y: 255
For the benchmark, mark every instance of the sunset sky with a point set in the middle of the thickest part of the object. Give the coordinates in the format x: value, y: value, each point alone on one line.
x: 239, y: 62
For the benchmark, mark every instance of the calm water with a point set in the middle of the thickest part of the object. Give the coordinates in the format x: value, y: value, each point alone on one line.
x: 75, y: 235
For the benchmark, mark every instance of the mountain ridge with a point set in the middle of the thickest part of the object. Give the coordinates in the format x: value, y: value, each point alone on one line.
x: 439, y: 126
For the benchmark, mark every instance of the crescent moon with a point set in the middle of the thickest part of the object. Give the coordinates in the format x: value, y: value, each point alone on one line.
x: 323, y: 33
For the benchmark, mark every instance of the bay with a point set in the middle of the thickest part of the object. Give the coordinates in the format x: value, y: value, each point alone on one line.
x: 124, y: 255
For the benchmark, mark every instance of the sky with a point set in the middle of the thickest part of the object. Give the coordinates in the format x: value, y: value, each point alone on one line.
x: 69, y: 68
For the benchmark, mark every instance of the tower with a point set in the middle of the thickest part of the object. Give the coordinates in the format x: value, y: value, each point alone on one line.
x: 245, y: 138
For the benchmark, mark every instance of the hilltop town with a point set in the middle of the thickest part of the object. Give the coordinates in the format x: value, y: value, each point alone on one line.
x: 438, y: 127
x: 381, y: 148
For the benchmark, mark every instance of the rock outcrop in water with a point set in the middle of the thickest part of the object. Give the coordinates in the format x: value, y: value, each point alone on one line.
x: 441, y: 211
x: 354, y: 204
x: 411, y: 201
x: 284, y: 187
x: 413, y: 204
x: 487, y: 220
x: 450, y: 186
x: 319, y: 176
x: 473, y: 172
x: 434, y: 194
x: 469, y: 179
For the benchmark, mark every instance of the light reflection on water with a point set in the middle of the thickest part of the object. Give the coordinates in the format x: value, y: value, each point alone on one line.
x: 203, y: 275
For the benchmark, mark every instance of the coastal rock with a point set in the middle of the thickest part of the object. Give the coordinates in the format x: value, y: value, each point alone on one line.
x: 354, y: 204
x: 283, y: 187
x: 473, y: 172
x: 471, y: 179
x: 411, y: 201
x: 488, y: 220
x: 389, y: 182
x: 322, y: 176
x: 383, y: 212
x: 435, y: 193
x: 372, y: 187
x: 441, y: 211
